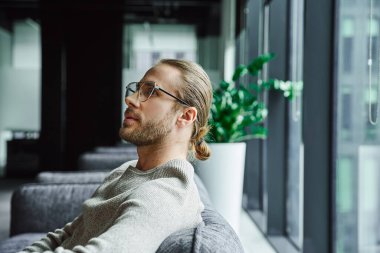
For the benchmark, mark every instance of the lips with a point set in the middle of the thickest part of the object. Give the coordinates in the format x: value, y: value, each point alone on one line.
x: 130, y: 117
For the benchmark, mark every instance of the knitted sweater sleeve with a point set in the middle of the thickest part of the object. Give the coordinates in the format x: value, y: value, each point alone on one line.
x: 150, y: 214
x: 53, y: 239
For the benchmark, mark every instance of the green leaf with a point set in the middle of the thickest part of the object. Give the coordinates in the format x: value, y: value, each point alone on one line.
x: 257, y: 64
x: 226, y: 86
x: 235, y: 137
x: 270, y: 84
x: 256, y: 87
x: 249, y: 99
x: 240, y: 71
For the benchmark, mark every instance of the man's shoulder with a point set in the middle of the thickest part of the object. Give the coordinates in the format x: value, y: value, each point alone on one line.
x: 175, y: 174
x: 121, y: 169
x: 176, y: 168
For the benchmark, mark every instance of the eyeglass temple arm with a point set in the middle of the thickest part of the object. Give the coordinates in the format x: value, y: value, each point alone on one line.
x: 180, y: 100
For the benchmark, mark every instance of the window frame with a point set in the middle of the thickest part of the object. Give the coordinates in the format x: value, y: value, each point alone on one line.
x: 318, y: 130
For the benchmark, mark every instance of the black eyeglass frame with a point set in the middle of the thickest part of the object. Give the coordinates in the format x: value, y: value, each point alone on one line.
x: 156, y: 87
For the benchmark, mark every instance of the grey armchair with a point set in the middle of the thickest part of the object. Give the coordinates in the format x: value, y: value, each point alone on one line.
x: 42, y: 207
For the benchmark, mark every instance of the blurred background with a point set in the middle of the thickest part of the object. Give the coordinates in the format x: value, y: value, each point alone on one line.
x: 64, y: 66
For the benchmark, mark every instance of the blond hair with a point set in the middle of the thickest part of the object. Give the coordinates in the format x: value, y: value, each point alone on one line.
x: 196, y: 90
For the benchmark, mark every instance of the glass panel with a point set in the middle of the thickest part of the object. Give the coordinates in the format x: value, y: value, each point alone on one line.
x: 147, y: 43
x: 357, y: 182
x: 345, y: 204
x: 345, y: 119
x: 294, y: 193
x: 247, y: 47
x: 347, y: 34
x: 257, y: 29
x: 20, y: 80
x: 369, y: 198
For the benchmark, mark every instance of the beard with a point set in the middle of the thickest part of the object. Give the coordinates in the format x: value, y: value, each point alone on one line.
x: 149, y: 132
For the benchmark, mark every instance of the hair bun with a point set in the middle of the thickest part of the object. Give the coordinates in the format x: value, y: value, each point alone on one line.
x: 199, y: 142
x: 202, y: 151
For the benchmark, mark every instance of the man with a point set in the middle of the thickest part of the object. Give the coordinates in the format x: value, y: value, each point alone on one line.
x: 142, y: 202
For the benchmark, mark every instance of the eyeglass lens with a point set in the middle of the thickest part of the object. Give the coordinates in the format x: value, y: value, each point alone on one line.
x: 145, y: 90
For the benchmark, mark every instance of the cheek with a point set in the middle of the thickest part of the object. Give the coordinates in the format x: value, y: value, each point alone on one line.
x: 159, y: 110
x: 153, y: 112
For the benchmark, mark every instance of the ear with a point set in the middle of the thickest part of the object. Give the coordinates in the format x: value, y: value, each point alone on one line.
x: 187, y: 117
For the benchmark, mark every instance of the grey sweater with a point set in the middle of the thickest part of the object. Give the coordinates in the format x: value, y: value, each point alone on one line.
x: 132, y: 211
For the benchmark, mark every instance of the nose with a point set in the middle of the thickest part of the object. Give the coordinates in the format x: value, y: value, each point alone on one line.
x: 132, y: 100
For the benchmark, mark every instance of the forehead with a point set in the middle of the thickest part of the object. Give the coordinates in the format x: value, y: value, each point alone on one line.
x: 164, y: 75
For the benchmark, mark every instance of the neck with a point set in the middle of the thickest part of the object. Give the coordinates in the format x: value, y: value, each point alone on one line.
x: 154, y: 155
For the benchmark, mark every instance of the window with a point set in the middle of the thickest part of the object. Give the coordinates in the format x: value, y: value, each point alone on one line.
x: 347, y: 44
x: 180, y: 55
x: 345, y: 205
x: 250, y: 39
x: 274, y: 172
x: 371, y: 110
x: 155, y: 56
x: 346, y: 115
x: 294, y: 188
x: 357, y: 176
x: 257, y: 174
x: 373, y: 43
x: 144, y: 44
x: 346, y: 124
x: 20, y: 79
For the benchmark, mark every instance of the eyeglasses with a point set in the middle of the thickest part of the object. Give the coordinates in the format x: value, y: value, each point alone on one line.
x: 145, y: 91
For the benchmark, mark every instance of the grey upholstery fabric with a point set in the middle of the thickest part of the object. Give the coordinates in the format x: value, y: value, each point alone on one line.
x: 45, y: 207
x: 104, y: 161
x: 18, y: 242
x: 72, y: 177
x: 212, y: 236
x: 122, y: 149
x: 39, y: 208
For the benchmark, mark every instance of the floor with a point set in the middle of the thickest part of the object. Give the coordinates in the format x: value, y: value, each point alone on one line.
x: 252, y: 239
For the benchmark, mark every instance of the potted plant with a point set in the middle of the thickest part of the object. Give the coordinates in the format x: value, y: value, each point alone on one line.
x: 237, y: 114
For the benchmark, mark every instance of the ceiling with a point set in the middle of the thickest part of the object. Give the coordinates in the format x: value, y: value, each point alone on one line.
x: 201, y: 13
x: 178, y: 9
x: 204, y: 14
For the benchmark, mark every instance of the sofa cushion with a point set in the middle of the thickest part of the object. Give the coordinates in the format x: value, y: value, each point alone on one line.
x: 44, y: 207
x: 129, y: 149
x: 213, y: 235
x: 72, y: 177
x: 103, y: 161
x: 18, y: 242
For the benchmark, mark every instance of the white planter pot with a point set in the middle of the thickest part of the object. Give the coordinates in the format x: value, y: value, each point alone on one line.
x: 223, y: 175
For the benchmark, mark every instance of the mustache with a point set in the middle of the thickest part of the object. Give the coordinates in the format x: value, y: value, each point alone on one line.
x: 131, y: 113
